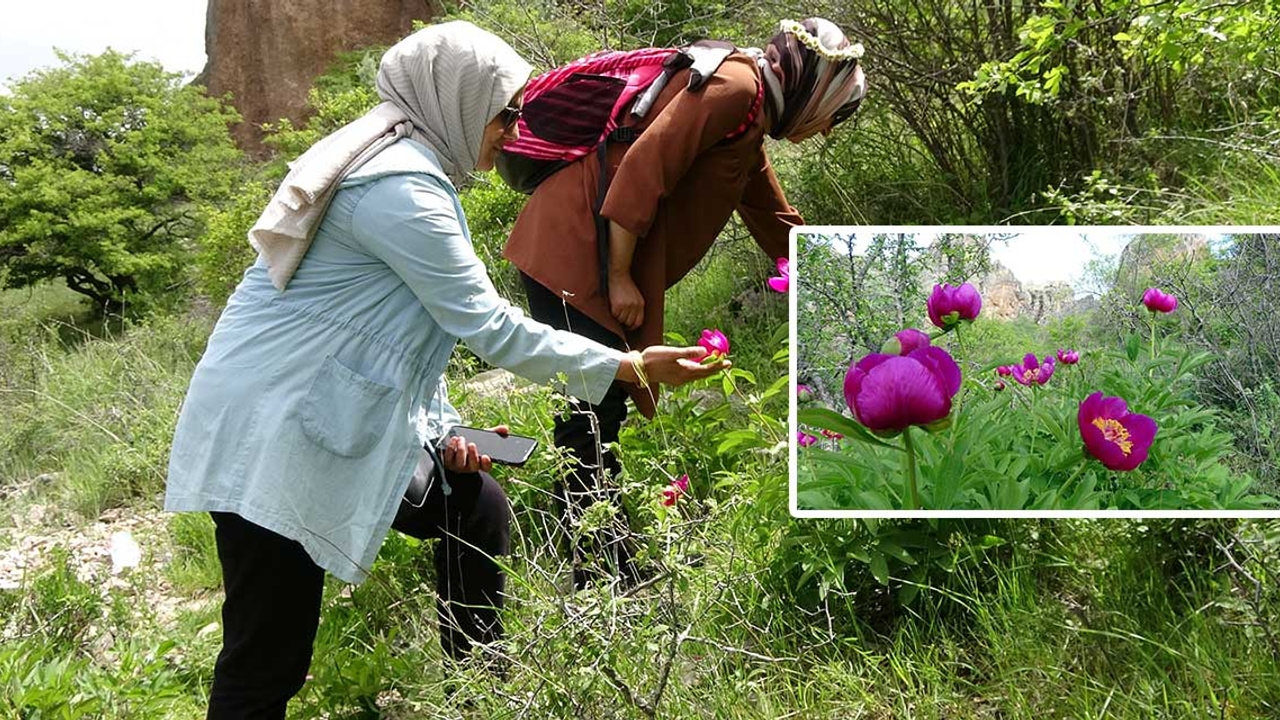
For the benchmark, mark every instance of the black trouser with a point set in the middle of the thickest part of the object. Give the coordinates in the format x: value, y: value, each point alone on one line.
x: 584, y: 433
x: 273, y: 592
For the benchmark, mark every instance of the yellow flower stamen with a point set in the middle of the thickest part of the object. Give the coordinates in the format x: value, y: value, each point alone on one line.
x: 1114, y: 432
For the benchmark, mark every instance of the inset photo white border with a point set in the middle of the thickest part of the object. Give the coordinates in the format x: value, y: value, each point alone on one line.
x: 1044, y: 233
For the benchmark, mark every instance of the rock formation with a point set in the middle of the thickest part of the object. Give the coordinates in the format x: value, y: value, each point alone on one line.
x: 1148, y: 254
x: 267, y: 53
x: 1004, y: 296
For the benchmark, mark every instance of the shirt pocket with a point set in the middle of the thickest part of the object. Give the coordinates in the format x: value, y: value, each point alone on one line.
x: 345, y: 412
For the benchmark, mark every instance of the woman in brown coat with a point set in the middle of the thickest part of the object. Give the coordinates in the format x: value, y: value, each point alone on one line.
x: 699, y: 157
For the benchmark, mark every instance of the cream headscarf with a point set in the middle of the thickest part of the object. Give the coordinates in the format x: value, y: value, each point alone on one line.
x: 440, y: 86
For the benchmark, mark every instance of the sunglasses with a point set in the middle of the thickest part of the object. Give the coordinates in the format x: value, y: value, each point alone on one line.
x: 510, y: 117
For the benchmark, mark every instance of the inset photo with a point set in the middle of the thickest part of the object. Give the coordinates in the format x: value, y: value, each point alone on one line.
x: 1042, y: 369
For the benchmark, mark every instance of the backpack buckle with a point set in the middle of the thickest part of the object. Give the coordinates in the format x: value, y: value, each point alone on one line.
x: 626, y: 134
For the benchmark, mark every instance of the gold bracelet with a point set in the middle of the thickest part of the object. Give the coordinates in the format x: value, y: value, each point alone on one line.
x: 637, y: 365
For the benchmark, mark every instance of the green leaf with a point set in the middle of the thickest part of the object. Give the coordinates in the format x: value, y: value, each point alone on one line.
x: 880, y: 568
x: 896, y: 551
x: 831, y: 420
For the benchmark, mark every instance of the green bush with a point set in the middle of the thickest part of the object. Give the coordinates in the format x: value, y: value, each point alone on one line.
x: 102, y: 159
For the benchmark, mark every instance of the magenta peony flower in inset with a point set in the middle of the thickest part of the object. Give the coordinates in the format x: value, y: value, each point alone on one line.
x: 675, y: 490
x: 832, y: 434
x: 889, y: 393
x: 1004, y: 370
x: 1118, y: 438
x: 804, y: 392
x: 999, y: 385
x: 714, y: 342
x: 949, y: 305
x: 905, y: 342
x: 1032, y: 371
x: 1157, y: 300
x: 804, y: 439
x: 782, y: 284
x: 1068, y: 357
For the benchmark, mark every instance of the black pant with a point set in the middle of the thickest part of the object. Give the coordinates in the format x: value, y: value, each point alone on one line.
x: 584, y: 433
x: 273, y: 592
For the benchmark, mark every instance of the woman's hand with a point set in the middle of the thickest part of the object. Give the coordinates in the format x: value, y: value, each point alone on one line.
x: 625, y: 301
x: 672, y: 365
x: 460, y: 456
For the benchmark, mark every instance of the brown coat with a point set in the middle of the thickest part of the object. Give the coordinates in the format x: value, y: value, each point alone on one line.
x: 674, y: 187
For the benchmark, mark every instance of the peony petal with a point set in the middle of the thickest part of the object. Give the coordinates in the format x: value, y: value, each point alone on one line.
x: 934, y: 306
x: 1020, y: 375
x: 1046, y: 371
x: 857, y: 373
x: 1089, y: 407
x: 1142, y: 429
x: 967, y: 300
x: 942, y: 365
x: 898, y: 393
x: 911, y: 339
x: 779, y: 284
x: 1113, y: 407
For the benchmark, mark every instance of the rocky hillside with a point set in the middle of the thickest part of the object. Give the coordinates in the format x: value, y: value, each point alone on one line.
x: 1004, y: 296
x: 266, y: 53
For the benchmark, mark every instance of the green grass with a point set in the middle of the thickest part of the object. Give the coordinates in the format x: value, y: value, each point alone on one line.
x: 1061, y: 619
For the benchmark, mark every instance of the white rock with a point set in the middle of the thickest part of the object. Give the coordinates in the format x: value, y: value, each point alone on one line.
x: 125, y: 552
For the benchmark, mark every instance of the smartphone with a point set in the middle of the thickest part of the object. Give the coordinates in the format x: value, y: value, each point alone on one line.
x: 510, y: 450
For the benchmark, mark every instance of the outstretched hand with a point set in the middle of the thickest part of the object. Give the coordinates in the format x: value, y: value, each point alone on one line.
x: 677, y: 366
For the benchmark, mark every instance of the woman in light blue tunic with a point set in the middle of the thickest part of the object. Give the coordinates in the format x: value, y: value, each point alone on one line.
x: 299, y: 431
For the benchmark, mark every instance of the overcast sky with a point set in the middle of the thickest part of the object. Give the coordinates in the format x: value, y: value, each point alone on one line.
x: 1041, y: 255
x: 170, y: 31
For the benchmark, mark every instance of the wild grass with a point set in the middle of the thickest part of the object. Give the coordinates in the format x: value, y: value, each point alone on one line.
x: 1058, y: 619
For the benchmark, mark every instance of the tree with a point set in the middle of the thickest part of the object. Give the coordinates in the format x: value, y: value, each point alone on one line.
x: 101, y: 162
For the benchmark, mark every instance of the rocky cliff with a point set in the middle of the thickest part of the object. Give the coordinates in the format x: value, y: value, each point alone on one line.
x: 1147, y: 255
x: 1004, y: 296
x: 266, y: 53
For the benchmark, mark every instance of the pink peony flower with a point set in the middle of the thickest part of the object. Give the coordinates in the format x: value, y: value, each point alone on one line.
x: 1032, y: 372
x: 1118, y: 438
x: 714, y: 342
x: 1157, y: 300
x: 831, y: 434
x: 1004, y: 370
x: 889, y: 393
x: 804, y: 439
x: 1068, y: 357
x: 999, y: 385
x: 675, y: 490
x: 905, y: 342
x: 783, y: 283
x: 949, y: 305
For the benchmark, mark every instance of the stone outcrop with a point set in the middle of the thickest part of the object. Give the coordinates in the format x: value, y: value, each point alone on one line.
x: 1005, y: 297
x: 267, y: 53
x: 1147, y: 255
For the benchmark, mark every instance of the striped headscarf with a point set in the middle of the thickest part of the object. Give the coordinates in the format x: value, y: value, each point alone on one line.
x: 812, y: 75
x: 440, y: 86
x: 450, y: 80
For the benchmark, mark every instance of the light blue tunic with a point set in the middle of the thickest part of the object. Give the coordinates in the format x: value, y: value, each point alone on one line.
x: 301, y: 414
